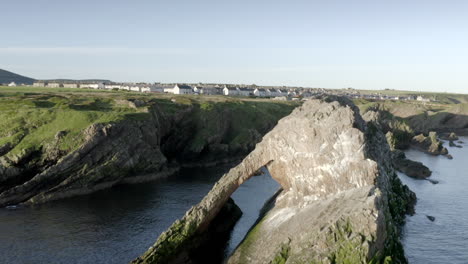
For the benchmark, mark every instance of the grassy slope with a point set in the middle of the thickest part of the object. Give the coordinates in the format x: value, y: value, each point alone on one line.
x: 31, y: 117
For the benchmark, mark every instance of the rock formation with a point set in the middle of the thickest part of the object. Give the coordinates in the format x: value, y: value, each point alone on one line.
x: 450, y: 137
x: 129, y: 151
x: 430, y: 144
x: 413, y: 169
x: 341, y: 201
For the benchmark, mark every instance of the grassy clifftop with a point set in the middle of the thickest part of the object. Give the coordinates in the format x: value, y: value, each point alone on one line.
x: 30, y: 118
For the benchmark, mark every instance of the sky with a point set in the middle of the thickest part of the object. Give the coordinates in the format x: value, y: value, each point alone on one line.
x: 406, y: 45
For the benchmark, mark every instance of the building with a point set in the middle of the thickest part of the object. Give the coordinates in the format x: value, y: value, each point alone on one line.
x: 232, y: 91
x: 70, y: 85
x: 261, y: 92
x: 54, y: 85
x: 198, y: 89
x: 92, y: 85
x: 422, y: 99
x: 182, y: 89
x: 39, y: 84
x: 135, y: 87
x: 12, y: 84
x: 244, y: 91
x: 112, y: 86
x: 212, y: 90
x: 154, y: 88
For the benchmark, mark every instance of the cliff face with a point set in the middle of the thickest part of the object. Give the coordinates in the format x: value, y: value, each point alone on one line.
x: 171, y: 135
x: 341, y: 201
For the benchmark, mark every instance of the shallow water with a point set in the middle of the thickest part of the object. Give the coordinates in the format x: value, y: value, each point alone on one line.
x: 117, y: 225
x: 446, y: 239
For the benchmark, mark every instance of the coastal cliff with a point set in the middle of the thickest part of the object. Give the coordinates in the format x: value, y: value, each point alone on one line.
x: 341, y: 201
x: 60, y: 146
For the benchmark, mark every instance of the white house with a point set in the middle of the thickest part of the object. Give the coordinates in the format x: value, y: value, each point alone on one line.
x: 182, y: 89
x: 212, y: 90
x: 93, y: 86
x: 232, y: 91
x: 422, y: 99
x: 70, y: 85
x: 39, y: 84
x: 112, y: 86
x: 244, y: 91
x: 198, y: 89
x: 169, y: 89
x: 292, y: 93
x: 53, y: 85
x: 12, y: 84
x: 135, y: 88
x: 261, y: 92
x: 154, y: 88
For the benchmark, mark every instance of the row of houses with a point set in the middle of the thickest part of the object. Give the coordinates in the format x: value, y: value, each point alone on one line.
x: 208, y: 89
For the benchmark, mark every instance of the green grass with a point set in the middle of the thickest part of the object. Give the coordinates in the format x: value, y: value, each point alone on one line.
x: 30, y: 120
x: 30, y: 117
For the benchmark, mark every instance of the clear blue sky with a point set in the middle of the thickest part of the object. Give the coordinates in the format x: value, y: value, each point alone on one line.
x: 416, y: 45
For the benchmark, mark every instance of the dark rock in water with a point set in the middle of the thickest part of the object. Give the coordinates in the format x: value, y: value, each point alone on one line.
x: 449, y: 156
x: 452, y: 144
x: 432, y: 181
x: 460, y: 142
x: 413, y: 169
x: 452, y: 136
x: 430, y: 218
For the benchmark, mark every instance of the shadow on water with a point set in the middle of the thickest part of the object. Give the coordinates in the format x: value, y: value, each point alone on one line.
x: 111, y: 226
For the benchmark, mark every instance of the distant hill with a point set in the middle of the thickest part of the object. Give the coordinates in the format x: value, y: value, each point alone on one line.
x: 8, y: 77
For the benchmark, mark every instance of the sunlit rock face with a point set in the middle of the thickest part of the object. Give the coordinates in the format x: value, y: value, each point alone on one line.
x: 341, y: 200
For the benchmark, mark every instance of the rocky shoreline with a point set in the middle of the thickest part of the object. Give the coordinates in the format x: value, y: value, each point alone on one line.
x: 171, y: 137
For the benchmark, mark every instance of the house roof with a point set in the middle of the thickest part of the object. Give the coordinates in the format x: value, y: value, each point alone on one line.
x: 245, y: 89
x: 184, y: 86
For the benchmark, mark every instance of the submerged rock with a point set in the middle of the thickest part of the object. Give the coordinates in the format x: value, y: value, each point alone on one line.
x: 452, y: 144
x: 431, y: 218
x: 341, y: 200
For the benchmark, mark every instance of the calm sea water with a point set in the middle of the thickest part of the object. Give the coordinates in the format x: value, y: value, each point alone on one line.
x: 117, y: 225
x: 446, y: 239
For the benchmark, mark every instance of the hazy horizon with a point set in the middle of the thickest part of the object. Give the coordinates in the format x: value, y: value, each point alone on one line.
x: 417, y: 45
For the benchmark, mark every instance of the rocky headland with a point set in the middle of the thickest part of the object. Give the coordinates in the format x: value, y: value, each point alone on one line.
x: 146, y: 139
x: 341, y: 201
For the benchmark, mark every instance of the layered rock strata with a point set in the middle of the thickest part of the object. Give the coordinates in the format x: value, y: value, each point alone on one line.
x: 341, y: 200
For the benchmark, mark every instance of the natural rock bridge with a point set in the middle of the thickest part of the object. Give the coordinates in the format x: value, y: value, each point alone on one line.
x: 338, y: 189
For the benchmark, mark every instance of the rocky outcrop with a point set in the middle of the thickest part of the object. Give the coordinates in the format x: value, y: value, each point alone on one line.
x: 430, y: 144
x: 413, y: 169
x: 169, y: 137
x: 449, y: 136
x: 341, y: 201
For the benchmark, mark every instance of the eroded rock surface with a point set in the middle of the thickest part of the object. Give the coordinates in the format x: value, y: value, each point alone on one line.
x: 341, y: 201
x: 430, y: 144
